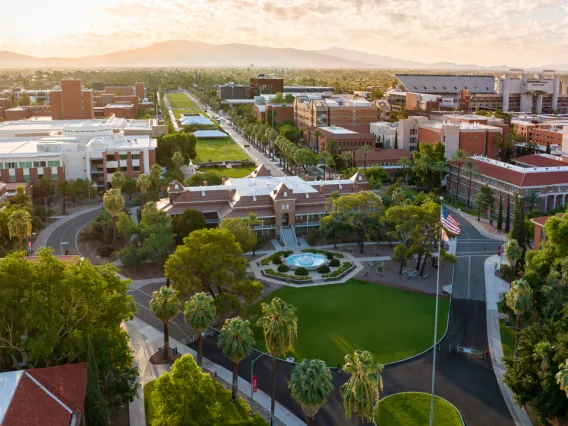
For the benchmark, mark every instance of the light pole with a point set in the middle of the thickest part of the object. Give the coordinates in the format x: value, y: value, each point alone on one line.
x: 252, y: 413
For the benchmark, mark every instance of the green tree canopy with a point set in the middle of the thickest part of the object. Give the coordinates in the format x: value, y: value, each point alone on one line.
x: 187, y: 222
x: 244, y: 235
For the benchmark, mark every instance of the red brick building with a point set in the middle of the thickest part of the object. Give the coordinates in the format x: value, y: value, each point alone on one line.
x: 72, y: 102
x: 273, y: 113
x: 386, y: 158
x: 345, y: 139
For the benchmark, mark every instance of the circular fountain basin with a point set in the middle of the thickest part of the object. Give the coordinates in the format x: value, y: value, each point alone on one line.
x: 310, y: 261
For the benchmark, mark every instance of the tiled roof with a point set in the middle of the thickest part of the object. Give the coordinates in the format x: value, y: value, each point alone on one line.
x: 541, y: 220
x: 382, y: 155
x: 48, y: 396
x: 536, y: 160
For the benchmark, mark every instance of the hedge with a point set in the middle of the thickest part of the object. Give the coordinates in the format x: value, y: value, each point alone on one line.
x: 273, y: 256
x: 334, y: 262
x: 338, y: 271
x: 273, y: 273
x: 283, y: 268
x: 323, y: 269
x: 329, y: 254
x: 302, y: 272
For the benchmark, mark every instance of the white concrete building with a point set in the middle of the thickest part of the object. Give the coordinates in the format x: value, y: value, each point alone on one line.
x: 386, y: 134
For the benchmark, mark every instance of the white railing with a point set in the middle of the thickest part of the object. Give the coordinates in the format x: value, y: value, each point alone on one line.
x: 294, y: 234
x: 282, y: 239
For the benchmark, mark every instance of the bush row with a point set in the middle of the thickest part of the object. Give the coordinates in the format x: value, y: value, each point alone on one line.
x: 276, y: 255
x: 273, y: 273
x: 338, y: 271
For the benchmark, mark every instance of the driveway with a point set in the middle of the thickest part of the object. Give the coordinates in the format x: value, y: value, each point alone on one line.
x: 65, y: 236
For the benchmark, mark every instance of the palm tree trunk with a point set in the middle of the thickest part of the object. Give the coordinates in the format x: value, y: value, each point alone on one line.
x: 113, y: 232
x: 418, y: 263
x: 468, y: 190
x: 517, y: 336
x: 400, y: 269
x: 20, y: 241
x: 235, y: 381
x: 424, y: 265
x: 361, y: 250
x: 365, y: 166
x: 272, y: 403
x: 166, y: 341
x: 478, y: 213
x: 63, y: 203
x: 199, y: 349
x: 458, y: 186
x: 310, y: 421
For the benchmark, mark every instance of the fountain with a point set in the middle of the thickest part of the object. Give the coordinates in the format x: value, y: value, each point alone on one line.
x: 310, y: 261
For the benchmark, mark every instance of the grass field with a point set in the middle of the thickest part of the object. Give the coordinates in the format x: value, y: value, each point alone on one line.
x: 237, y: 172
x: 219, y: 150
x: 335, y: 320
x: 180, y: 100
x: 236, y: 414
x: 507, y: 339
x: 413, y: 409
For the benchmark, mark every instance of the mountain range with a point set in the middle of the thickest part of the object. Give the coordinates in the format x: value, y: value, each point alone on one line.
x: 185, y: 53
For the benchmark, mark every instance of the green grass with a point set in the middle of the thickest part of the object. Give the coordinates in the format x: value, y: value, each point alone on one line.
x: 234, y: 414
x: 335, y: 320
x: 223, y: 149
x: 180, y: 100
x: 507, y: 339
x: 237, y: 172
x: 413, y: 409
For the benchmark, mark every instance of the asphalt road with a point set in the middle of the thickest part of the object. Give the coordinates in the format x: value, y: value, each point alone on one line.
x: 65, y: 236
x: 467, y: 382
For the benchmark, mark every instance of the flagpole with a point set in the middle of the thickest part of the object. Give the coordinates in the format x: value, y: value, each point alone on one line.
x: 440, y: 243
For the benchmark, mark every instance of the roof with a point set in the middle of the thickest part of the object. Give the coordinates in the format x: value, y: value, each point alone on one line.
x: 541, y: 220
x: 521, y: 176
x: 447, y: 83
x: 43, y: 396
x: 542, y: 160
x: 195, y: 119
x: 340, y: 133
x: 260, y: 171
x: 389, y: 155
x: 204, y: 134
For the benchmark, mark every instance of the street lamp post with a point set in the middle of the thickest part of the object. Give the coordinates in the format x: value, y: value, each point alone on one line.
x: 252, y: 413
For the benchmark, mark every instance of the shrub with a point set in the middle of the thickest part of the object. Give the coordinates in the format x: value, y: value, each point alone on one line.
x: 104, y: 251
x: 273, y: 273
x: 312, y: 238
x: 339, y: 271
x: 334, y: 262
x: 274, y: 256
x: 323, y: 269
x: 283, y: 268
x: 277, y: 260
x: 302, y: 272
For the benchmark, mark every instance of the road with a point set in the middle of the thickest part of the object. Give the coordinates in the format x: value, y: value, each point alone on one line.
x: 257, y: 156
x: 65, y: 236
x: 467, y: 382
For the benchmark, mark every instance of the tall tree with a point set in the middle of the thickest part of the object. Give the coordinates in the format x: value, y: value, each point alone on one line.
x: 177, y: 159
x: 508, y: 216
x: 458, y: 157
x: 113, y: 202
x: 240, y: 228
x: 280, y: 325
x: 484, y: 199
x: 156, y: 176
x: 519, y: 299
x: 562, y: 377
x: 20, y: 226
x: 470, y: 168
x: 405, y: 165
x: 62, y: 189
x: 514, y: 252
x: 118, y: 180
x: 310, y: 386
x: 144, y: 182
x: 518, y: 229
x: 199, y: 313
x: 402, y: 222
x: 187, y: 222
x: 361, y: 392
x: 96, y: 406
x: 165, y: 304
x: 253, y: 221
x: 500, y: 213
x: 236, y: 341
x: 365, y: 149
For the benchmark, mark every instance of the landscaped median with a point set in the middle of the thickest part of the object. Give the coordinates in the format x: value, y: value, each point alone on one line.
x: 413, y: 409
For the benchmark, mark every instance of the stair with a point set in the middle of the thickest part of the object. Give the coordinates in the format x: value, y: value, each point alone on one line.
x: 289, y: 240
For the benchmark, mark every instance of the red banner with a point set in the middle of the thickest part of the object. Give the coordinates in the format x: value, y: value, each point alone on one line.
x: 254, y: 385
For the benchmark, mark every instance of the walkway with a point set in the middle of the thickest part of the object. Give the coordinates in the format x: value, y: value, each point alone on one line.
x: 171, y: 113
x: 482, y: 226
x: 495, y: 288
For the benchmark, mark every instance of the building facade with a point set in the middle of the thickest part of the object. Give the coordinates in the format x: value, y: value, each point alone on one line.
x: 72, y: 102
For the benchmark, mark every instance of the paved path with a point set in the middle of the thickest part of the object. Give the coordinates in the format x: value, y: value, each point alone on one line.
x: 171, y: 113
x: 495, y: 289
x: 257, y: 156
x: 482, y: 226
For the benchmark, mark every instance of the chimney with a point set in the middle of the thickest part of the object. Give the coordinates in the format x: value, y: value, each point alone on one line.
x: 223, y: 181
x: 204, y: 183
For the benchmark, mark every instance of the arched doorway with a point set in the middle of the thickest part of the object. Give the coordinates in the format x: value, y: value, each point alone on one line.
x: 285, y: 219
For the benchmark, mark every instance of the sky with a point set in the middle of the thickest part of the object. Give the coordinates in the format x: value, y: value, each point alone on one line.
x: 484, y: 32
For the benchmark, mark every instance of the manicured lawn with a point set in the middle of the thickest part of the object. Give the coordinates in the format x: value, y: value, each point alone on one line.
x: 413, y: 409
x: 507, y: 339
x: 179, y: 112
x: 335, y: 320
x: 236, y: 172
x: 223, y: 149
x: 236, y: 414
x: 180, y: 100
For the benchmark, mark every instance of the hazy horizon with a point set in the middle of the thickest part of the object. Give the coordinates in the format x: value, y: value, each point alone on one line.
x: 482, y: 32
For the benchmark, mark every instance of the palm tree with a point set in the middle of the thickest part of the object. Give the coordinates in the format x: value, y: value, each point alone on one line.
x: 442, y: 168
x: 253, y: 220
x: 62, y: 189
x: 458, y: 157
x: 471, y: 168
x: 280, y: 325
x: 361, y: 392
x: 331, y: 146
x: 519, y: 298
x: 113, y: 202
x: 155, y: 175
x: 118, y: 180
x: 144, y: 182
x: 562, y: 377
x: 177, y: 159
x: 514, y: 252
x: 405, y: 165
x: 324, y: 156
x: 365, y: 149
x: 199, y: 314
x: 311, y: 386
x: 20, y: 225
x: 317, y: 135
x: 236, y: 341
x: 165, y: 305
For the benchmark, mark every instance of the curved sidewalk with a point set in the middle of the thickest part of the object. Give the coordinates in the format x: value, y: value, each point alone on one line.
x: 495, y: 288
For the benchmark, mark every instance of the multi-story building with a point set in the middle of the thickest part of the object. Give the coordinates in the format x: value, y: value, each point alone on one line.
x: 23, y: 112
x: 35, y: 96
x: 278, y: 201
x: 262, y: 85
x: 549, y: 183
x: 345, y: 139
x: 315, y: 111
x: 5, y: 103
x: 324, y: 90
x: 386, y: 158
x: 274, y: 113
x: 120, y: 89
x: 72, y: 102
x: 386, y: 134
x: 234, y: 91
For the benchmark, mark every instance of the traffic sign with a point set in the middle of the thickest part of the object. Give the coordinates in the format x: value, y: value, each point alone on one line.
x: 254, y: 384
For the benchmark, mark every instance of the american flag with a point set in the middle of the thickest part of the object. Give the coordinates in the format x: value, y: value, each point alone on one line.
x: 449, y: 222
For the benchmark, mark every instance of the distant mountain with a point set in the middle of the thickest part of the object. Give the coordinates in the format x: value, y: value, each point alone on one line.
x: 184, y: 53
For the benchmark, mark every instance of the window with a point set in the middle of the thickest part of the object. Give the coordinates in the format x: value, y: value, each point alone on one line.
x: 54, y: 163
x: 123, y: 156
x: 124, y: 169
x: 285, y: 194
x: 11, y: 165
x: 39, y: 163
x: 1, y: 166
x: 136, y: 156
x: 135, y: 168
x: 25, y: 164
x: 26, y: 177
x: 55, y: 176
x: 11, y: 178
